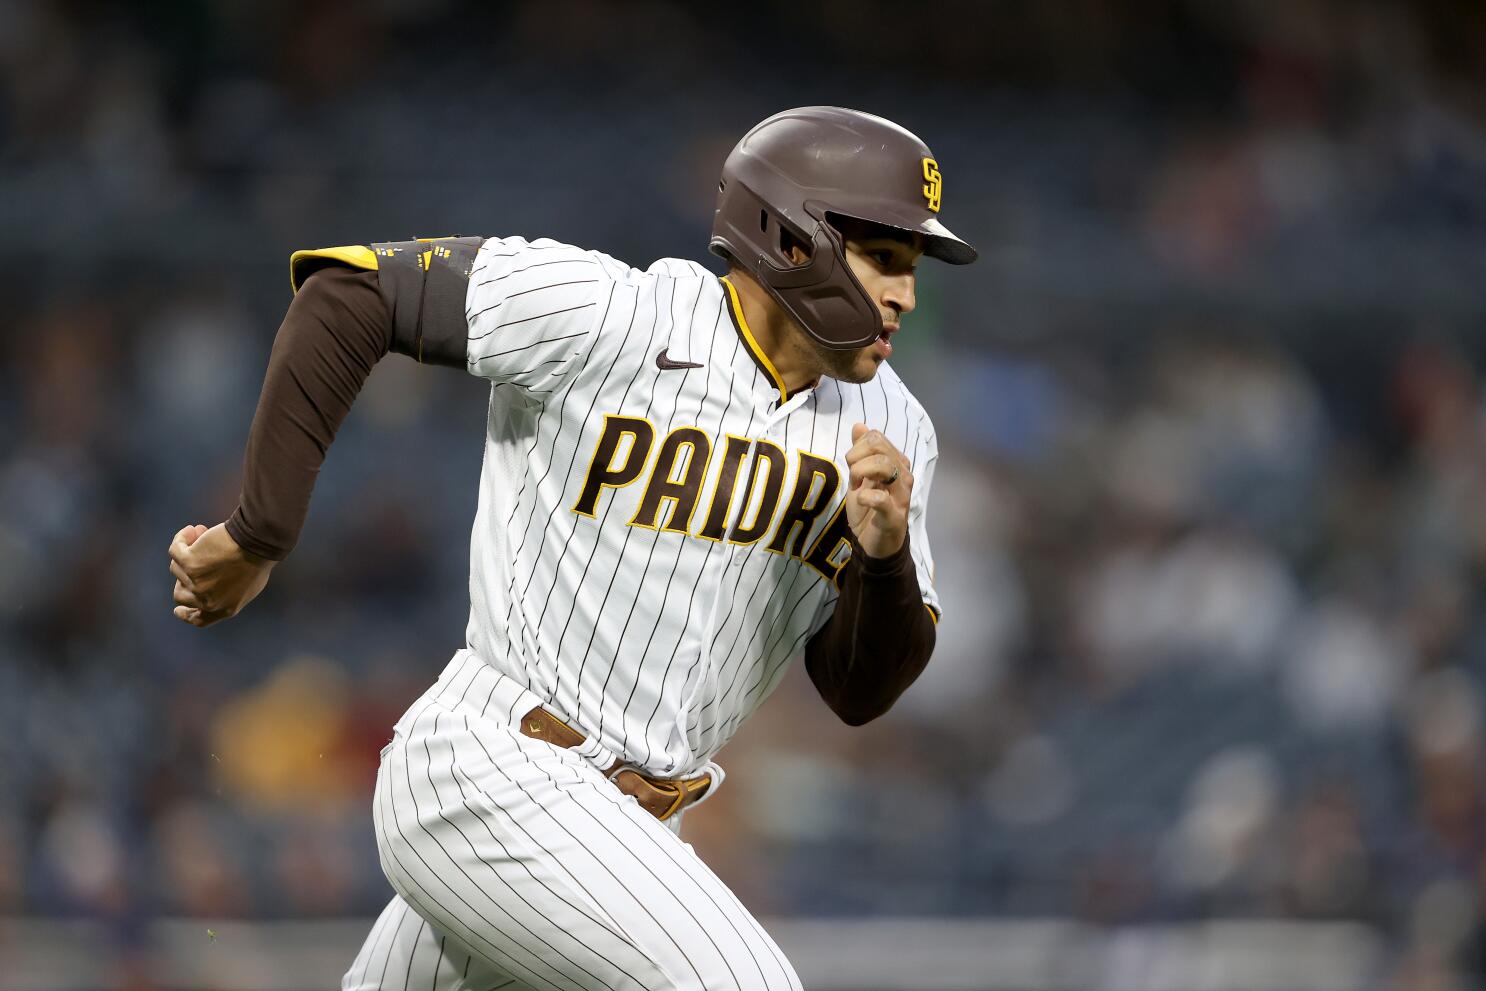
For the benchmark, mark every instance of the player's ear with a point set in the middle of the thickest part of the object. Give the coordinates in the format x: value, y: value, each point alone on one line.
x: 798, y: 253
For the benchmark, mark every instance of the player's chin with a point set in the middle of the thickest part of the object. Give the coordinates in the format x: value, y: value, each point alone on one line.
x: 854, y: 367
x: 864, y: 368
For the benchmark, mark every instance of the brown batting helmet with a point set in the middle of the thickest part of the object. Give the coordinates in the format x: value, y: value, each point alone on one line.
x: 801, y: 170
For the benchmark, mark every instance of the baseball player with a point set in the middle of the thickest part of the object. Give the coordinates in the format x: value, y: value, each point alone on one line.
x: 689, y: 483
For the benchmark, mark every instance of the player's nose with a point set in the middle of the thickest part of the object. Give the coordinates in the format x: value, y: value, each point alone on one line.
x: 899, y: 293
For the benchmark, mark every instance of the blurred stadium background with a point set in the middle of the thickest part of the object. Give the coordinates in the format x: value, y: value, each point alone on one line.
x: 1210, y: 520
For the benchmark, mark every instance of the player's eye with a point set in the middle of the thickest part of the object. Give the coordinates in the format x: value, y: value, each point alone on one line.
x: 882, y: 256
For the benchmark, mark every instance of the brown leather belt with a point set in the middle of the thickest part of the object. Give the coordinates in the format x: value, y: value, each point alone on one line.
x: 661, y: 797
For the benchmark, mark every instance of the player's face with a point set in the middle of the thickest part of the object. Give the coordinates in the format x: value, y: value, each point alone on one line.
x: 885, y: 268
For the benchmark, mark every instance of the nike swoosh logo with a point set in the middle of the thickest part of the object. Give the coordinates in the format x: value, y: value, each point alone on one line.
x: 661, y: 361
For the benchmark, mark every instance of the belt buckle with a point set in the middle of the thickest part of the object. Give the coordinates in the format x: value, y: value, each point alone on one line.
x: 659, y: 784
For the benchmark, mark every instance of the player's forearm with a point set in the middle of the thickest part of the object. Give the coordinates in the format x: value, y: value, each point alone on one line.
x: 878, y: 640
x: 336, y: 329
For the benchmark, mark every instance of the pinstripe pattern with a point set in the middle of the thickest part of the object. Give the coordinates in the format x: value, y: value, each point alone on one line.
x: 657, y: 644
x: 515, y: 861
x: 406, y: 953
x: 522, y: 856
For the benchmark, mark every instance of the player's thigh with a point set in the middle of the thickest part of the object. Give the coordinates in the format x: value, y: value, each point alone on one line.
x: 526, y: 854
x: 403, y: 952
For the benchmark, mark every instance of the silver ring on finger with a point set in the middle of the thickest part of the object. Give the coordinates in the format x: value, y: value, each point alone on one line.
x: 894, y: 476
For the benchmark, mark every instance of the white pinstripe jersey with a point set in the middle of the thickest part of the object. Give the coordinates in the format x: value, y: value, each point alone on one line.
x: 654, y: 545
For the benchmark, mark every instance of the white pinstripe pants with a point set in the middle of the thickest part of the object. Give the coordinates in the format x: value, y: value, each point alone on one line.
x: 518, y: 865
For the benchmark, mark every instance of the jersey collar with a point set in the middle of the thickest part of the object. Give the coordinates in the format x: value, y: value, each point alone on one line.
x: 750, y: 343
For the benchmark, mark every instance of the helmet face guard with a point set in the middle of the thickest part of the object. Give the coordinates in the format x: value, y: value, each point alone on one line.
x: 790, y: 175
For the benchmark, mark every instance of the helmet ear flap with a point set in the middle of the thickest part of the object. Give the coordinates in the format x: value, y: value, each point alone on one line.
x: 824, y: 296
x: 821, y: 294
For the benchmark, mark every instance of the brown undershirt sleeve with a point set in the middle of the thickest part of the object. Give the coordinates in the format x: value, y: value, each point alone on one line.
x: 337, y: 327
x: 878, y: 640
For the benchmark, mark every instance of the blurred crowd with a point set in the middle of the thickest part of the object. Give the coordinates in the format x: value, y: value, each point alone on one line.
x: 1208, y: 520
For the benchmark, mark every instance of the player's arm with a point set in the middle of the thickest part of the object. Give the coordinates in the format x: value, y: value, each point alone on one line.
x: 881, y: 634
x: 342, y: 321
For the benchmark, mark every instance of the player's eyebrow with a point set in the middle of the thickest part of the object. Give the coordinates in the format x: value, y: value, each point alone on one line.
x: 905, y: 254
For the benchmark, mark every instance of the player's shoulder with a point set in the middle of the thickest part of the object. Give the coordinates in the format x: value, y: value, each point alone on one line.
x: 681, y: 268
x: 510, y: 254
x: 499, y: 255
x: 886, y: 392
x: 895, y: 382
x: 885, y: 403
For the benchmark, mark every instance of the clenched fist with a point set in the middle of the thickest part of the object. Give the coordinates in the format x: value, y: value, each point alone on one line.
x: 214, y: 577
x: 881, y: 484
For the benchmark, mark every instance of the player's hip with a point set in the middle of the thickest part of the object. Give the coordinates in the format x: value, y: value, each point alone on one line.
x: 632, y: 721
x: 473, y: 689
x: 443, y: 758
x: 479, y: 730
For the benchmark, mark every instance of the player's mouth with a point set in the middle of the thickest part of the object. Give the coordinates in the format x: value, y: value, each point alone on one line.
x: 883, y: 345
